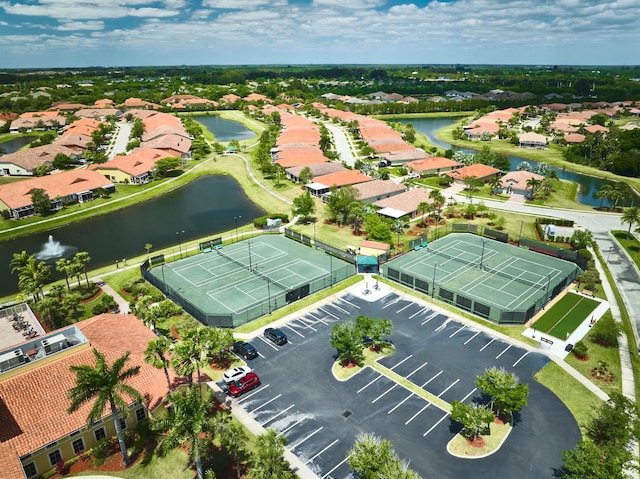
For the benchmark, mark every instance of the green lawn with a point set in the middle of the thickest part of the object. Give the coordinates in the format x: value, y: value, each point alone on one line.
x: 566, y: 315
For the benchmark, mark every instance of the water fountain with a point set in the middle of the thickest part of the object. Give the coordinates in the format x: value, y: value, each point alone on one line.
x: 53, y: 250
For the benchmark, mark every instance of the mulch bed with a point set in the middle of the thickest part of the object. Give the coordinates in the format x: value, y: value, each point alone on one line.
x: 477, y: 442
x: 88, y: 300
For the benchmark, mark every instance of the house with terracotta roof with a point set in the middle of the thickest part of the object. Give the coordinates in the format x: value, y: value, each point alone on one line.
x: 173, y: 145
x: 98, y: 113
x: 318, y: 169
x: 77, y: 142
x: 435, y: 165
x: 516, y: 181
x: 26, y: 162
x: 403, y: 156
x: 35, y: 377
x: 83, y: 126
x: 135, y: 168
x: 230, y: 98
x: 404, y: 204
x: 75, y: 186
x: 37, y: 121
x: 574, y: 138
x: 532, y: 140
x: 323, y: 184
x: 138, y: 103
x: 372, y: 191
x: 477, y: 170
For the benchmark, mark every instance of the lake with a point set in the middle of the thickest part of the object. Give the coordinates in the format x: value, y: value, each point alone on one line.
x: 588, y: 185
x: 224, y: 130
x: 15, y: 144
x: 204, y: 207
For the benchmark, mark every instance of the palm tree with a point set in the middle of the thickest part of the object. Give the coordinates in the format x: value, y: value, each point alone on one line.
x: 422, y: 208
x: 56, y: 291
x: 471, y: 182
x: 19, y: 261
x: 267, y: 460
x: 234, y: 438
x: 81, y: 258
x: 105, y: 386
x: 495, y: 183
x: 71, y: 301
x: 356, y: 212
x: 438, y: 200
x: 187, y: 421
x: 604, y: 193
x: 49, y: 307
x: 63, y: 265
x: 631, y: 215
x: 155, y: 354
x: 33, y: 276
x: 533, y: 184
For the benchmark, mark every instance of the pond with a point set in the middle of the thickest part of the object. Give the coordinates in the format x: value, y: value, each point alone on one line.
x: 14, y: 144
x: 224, y: 130
x: 588, y: 185
x: 204, y: 207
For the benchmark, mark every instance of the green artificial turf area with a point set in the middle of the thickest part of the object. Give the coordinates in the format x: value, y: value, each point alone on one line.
x: 566, y: 315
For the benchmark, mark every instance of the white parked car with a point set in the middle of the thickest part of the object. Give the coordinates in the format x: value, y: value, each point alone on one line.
x: 235, y: 374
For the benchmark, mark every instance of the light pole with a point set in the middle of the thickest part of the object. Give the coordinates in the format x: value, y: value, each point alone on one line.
x: 330, y: 269
x: 314, y: 233
x: 249, y: 246
x: 482, y: 255
x: 236, y: 220
x: 548, y: 284
x: 520, y: 235
x: 179, y: 242
x: 609, y: 253
x: 433, y: 283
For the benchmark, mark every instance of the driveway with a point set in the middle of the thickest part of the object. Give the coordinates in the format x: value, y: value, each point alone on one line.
x: 343, y: 144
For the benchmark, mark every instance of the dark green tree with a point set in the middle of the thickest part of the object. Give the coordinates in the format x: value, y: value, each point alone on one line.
x: 40, y: 201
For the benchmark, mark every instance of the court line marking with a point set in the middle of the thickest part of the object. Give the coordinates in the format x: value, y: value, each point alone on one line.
x: 273, y: 417
x: 521, y: 358
x: 264, y: 404
x: 337, y: 440
x: 336, y: 467
x: 505, y: 350
x: 436, y: 424
x: 483, y: 347
x: 308, y: 437
x: 471, y: 338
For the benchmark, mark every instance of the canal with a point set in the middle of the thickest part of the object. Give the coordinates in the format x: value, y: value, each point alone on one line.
x: 224, y: 130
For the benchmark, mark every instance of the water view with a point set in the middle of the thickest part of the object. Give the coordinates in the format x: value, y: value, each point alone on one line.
x: 15, y: 144
x: 224, y: 130
x: 588, y: 185
x: 206, y: 206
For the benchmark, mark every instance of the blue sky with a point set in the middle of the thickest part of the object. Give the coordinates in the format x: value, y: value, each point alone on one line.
x: 70, y: 33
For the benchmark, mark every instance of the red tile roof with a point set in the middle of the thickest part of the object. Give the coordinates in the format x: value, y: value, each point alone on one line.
x: 300, y: 157
x: 140, y: 161
x: 31, y: 158
x: 478, y: 170
x: 175, y: 144
x: 342, y: 178
x: 34, y: 403
x: 434, y: 163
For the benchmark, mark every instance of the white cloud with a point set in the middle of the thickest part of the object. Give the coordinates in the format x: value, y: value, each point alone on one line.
x: 74, y: 26
x: 241, y: 4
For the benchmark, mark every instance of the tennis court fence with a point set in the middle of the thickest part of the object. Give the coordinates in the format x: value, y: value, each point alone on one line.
x: 350, y: 257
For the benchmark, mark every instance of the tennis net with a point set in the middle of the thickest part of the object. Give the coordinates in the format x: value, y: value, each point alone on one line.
x: 455, y: 258
x: 519, y: 279
x: 252, y: 270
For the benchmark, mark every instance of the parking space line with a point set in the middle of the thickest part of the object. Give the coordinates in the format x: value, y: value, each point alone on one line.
x: 483, y: 347
x: 267, y: 342
x: 294, y: 330
x: 400, y: 403
x: 417, y: 414
x: 408, y: 357
x: 505, y: 350
x: 264, y: 404
x: 429, y: 318
x: 449, y: 387
x: 368, y: 384
x: 260, y: 354
x: 436, y: 424
x: 249, y: 396
x: 335, y: 467
x: 390, y: 303
x: 521, y: 358
x: 431, y: 379
x: 328, y: 313
x: 308, y: 437
x: 443, y: 325
x: 417, y: 313
x: 307, y: 325
x: 337, y: 440
x: 467, y: 396
x: 350, y: 303
x: 293, y: 425
x: 341, y: 309
x: 402, y: 309
x: 273, y: 417
x: 458, y: 330
x: 415, y: 370
x: 471, y: 338
x: 384, y: 393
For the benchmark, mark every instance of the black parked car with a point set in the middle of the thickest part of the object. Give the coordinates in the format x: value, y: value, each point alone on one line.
x: 245, y: 350
x: 275, y: 335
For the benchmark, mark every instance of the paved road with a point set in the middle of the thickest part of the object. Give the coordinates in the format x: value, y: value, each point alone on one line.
x: 121, y: 139
x: 343, y: 144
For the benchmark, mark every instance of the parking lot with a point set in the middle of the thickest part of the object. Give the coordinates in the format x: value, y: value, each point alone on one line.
x: 321, y: 416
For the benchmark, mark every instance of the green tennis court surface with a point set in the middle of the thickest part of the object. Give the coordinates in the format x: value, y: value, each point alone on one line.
x: 491, y: 279
x: 566, y: 315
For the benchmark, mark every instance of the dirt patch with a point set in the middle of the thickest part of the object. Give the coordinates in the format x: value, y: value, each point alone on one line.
x: 477, y: 442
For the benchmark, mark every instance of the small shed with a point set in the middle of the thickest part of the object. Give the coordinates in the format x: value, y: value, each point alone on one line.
x: 367, y: 264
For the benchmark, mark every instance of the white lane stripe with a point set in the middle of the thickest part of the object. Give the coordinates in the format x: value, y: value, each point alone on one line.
x: 505, y: 350
x: 350, y: 303
x: 390, y: 303
x: 338, y: 307
x: 443, y: 325
x: 408, y: 357
x: 483, y: 347
x: 457, y: 331
x: 521, y: 358
x: 367, y: 385
x: 248, y: 396
x: 273, y: 417
x: 384, y: 393
x: 435, y: 425
x: 335, y: 467
x: 417, y: 414
x: 431, y: 379
x: 267, y: 342
x: 429, y: 318
x: 415, y: 370
x: 449, y: 387
x: 294, y: 330
x: 264, y: 404
x: 403, y: 308
x: 417, y: 313
x: 328, y: 313
x: 308, y: 437
x: 260, y: 354
x: 467, y: 396
x: 400, y: 403
x: 293, y: 425
x: 471, y: 338
x: 337, y: 440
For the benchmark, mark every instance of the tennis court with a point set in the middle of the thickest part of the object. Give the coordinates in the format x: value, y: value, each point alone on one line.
x: 488, y: 278
x: 234, y: 284
x: 566, y: 315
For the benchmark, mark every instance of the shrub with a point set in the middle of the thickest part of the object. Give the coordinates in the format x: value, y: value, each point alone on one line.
x: 580, y: 350
x: 6, y: 214
x: 99, y: 308
x: 606, y: 331
x: 101, y: 451
x: 62, y: 468
x: 261, y: 221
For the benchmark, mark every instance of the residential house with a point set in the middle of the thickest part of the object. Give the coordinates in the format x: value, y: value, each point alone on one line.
x: 35, y: 378
x: 323, y: 184
x: 135, y: 168
x: 39, y: 120
x: 477, y: 170
x: 532, y: 140
x: 75, y: 186
x: 99, y: 113
x: 173, y: 145
x: 26, y: 162
x: 137, y: 103
x: 515, y: 182
x: 318, y: 169
x: 435, y: 165
x: 404, y: 204
x: 372, y: 191
x: 403, y: 156
x: 574, y: 138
